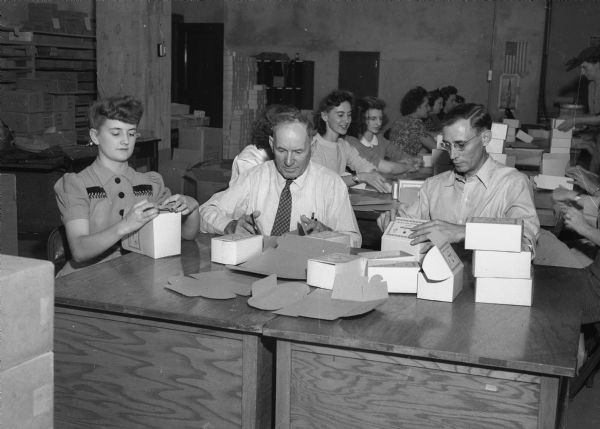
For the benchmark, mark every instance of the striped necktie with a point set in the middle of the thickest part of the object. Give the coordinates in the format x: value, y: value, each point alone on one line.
x: 284, y: 211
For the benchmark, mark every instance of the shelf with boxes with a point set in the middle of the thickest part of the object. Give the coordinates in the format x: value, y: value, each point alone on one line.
x: 287, y: 82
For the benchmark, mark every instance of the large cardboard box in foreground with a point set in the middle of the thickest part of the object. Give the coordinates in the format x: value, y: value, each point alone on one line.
x: 28, y: 394
x: 26, y: 309
x: 158, y: 238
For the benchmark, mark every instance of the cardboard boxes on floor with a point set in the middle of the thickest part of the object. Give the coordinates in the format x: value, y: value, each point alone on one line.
x: 26, y: 329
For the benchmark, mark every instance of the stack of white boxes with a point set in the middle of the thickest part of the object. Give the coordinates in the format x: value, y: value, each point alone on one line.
x: 555, y: 163
x: 496, y: 145
x: 243, y: 100
x: 511, y: 132
x: 26, y: 341
x: 502, y: 271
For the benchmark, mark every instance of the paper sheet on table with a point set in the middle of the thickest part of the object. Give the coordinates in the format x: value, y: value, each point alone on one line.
x: 288, y: 260
x: 268, y: 295
x: 351, y: 287
x: 212, y: 284
x: 319, y: 305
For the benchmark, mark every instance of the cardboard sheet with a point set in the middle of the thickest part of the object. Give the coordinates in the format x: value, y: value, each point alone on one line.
x: 268, y: 295
x: 212, y: 284
x: 319, y: 305
x: 288, y: 260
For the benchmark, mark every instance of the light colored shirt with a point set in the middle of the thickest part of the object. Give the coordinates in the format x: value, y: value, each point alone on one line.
x: 318, y: 190
x: 494, y: 191
x: 249, y: 157
x: 338, y: 155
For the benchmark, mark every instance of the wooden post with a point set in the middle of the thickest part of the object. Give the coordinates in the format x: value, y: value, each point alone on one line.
x: 128, y: 35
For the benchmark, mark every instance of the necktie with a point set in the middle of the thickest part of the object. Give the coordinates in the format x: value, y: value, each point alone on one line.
x: 284, y: 211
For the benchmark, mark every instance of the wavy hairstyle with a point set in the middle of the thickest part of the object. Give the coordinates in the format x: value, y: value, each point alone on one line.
x: 124, y: 108
x: 330, y: 101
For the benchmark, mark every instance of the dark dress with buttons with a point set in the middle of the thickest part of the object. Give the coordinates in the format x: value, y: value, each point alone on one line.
x: 103, y: 197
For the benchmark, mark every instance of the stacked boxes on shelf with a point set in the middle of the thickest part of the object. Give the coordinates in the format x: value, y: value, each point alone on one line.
x: 555, y: 163
x: 44, y: 16
x: 511, y: 132
x: 501, y: 269
x: 560, y: 141
x: 242, y: 102
x: 26, y: 328
x: 31, y: 110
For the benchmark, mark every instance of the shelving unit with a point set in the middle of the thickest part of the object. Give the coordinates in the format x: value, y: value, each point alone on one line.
x: 17, y: 59
x: 288, y: 82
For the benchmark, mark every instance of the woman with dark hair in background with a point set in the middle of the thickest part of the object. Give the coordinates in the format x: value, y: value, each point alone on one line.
x: 365, y: 137
x: 432, y: 121
x: 449, y: 94
x: 408, y: 132
x: 332, y: 120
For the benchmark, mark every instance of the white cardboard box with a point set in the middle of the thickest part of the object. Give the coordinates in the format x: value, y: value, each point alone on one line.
x: 499, y: 157
x: 26, y: 309
x: 485, y: 233
x: 539, y: 133
x: 396, y: 235
x: 158, y: 238
x: 499, y: 131
x: 441, y: 262
x: 28, y: 394
x: 408, y: 190
x: 560, y: 142
x: 512, y: 123
x: 561, y: 150
x: 555, y: 164
x: 388, y: 256
x: 490, y: 263
x: 401, y: 277
x: 233, y: 249
x: 555, y: 133
x: 504, y: 291
x: 321, y: 272
x: 524, y: 137
x: 543, y: 181
x: 495, y: 146
x: 445, y: 290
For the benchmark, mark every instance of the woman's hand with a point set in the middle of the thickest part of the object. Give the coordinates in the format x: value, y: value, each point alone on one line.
x: 564, y: 195
x: 376, y: 180
x: 574, y: 220
x: 584, y: 179
x: 179, y: 204
x: 138, y: 215
x: 568, y: 124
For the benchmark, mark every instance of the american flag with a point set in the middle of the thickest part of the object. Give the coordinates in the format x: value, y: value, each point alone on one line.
x: 515, y: 57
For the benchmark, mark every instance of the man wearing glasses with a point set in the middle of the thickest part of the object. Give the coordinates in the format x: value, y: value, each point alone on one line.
x: 478, y: 185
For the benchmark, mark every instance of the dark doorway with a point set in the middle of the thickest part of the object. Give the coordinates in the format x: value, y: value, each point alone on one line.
x: 198, y: 68
x: 359, y: 73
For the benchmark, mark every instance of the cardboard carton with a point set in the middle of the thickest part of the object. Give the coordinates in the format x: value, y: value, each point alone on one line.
x: 504, y: 291
x: 445, y: 290
x: 321, y: 272
x: 555, y: 133
x: 499, y: 157
x: 396, y: 236
x: 25, y: 101
x: 388, y: 256
x: 561, y: 150
x: 512, y: 123
x: 495, y: 146
x: 234, y: 249
x: 208, y: 142
x: 555, y: 164
x: 490, y: 263
x: 28, y: 394
x: 401, y: 277
x: 543, y: 181
x: 484, y: 233
x: 27, y: 309
x: 556, y: 142
x: 158, y: 238
x: 499, y: 131
x: 524, y: 137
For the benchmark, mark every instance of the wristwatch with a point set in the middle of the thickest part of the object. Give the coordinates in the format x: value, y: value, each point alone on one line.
x: 355, y: 178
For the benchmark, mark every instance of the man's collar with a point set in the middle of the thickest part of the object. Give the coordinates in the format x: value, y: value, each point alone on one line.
x: 105, y: 174
x: 484, y: 174
x: 298, y: 180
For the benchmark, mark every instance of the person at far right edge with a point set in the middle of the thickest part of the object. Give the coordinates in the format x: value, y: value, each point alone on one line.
x: 478, y: 186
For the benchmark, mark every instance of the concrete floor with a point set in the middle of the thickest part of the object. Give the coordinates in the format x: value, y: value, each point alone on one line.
x: 583, y: 411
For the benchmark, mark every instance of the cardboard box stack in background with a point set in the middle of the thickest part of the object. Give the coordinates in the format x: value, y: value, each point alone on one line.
x: 560, y: 141
x: 37, y: 115
x: 511, y: 132
x: 243, y: 100
x: 502, y: 271
x: 495, y: 147
x: 26, y: 341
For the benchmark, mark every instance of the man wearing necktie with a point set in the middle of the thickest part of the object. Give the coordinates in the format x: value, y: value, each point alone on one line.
x: 279, y: 195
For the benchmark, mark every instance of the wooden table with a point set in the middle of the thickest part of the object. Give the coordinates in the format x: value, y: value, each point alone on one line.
x: 423, y: 364
x: 131, y: 354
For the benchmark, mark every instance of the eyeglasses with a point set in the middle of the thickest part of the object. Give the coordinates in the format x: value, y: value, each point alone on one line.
x: 459, y: 146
